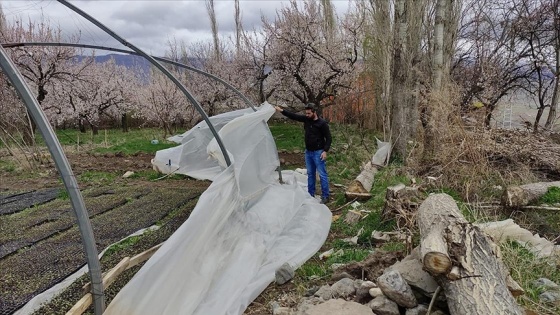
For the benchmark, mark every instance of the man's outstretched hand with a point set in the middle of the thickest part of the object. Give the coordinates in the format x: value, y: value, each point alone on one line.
x: 278, y: 108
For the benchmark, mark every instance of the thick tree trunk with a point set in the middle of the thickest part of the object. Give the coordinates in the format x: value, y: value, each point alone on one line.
x: 124, y: 122
x: 555, y: 94
x: 519, y: 196
x: 538, y: 118
x: 360, y: 187
x: 463, y: 260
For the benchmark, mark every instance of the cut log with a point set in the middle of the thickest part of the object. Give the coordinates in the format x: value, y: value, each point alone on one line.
x: 367, y: 175
x: 481, y: 285
x: 360, y: 187
x: 434, y: 215
x: 518, y: 196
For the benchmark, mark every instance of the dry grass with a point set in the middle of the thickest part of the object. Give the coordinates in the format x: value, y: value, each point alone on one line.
x: 465, y: 158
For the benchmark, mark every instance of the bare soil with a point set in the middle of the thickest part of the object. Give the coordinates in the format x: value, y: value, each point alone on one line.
x: 40, y: 243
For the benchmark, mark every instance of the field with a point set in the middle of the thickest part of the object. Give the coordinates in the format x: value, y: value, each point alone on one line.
x: 40, y: 244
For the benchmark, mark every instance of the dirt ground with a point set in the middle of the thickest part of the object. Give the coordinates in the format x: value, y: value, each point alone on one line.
x: 39, y: 241
x: 40, y: 250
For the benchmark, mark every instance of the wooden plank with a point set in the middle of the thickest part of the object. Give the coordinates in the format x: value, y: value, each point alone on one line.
x: 81, y: 306
x: 109, y: 277
x: 143, y: 256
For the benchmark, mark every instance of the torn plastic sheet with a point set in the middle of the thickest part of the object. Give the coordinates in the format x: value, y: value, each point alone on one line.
x: 190, y: 157
x: 244, y: 227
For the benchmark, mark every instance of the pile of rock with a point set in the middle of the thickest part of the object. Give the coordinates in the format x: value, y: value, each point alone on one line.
x: 404, y: 288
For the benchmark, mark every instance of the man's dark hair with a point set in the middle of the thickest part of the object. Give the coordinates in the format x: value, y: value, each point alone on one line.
x: 310, y: 106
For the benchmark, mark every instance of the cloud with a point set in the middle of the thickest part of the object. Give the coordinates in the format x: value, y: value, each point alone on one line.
x: 148, y: 24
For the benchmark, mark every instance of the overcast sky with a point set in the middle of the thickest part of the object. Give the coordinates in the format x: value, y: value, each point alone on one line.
x: 148, y: 24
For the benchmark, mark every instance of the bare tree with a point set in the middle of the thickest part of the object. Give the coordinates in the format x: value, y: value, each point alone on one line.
x: 494, y: 62
x: 254, y: 62
x: 40, y: 66
x: 329, y: 18
x: 534, y: 26
x: 306, y: 68
x: 406, y: 58
x: 100, y: 91
x: 554, y: 8
x: 214, y: 26
x: 2, y: 17
x: 238, y: 26
x: 377, y: 54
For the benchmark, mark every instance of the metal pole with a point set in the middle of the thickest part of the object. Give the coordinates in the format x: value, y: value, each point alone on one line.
x: 67, y: 175
x: 161, y: 68
x: 178, y: 64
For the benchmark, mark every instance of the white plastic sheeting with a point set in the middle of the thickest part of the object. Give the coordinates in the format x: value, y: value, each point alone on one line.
x: 243, y: 228
x: 190, y: 158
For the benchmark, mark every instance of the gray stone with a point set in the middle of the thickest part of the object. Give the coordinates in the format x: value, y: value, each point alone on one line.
x: 284, y: 274
x: 338, y: 307
x: 545, y: 283
x: 279, y: 310
x: 550, y: 297
x: 421, y: 309
x: 381, y: 305
x: 362, y: 292
x: 341, y: 275
x: 325, y: 292
x: 375, y: 292
x: 343, y: 288
x: 307, y: 303
x: 412, y: 272
x: 311, y: 291
x: 395, y: 287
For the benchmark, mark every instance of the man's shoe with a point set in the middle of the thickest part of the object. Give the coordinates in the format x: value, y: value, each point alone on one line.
x: 324, y: 200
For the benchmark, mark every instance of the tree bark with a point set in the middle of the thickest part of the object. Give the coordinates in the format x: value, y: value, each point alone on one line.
x: 555, y: 94
x: 518, y: 196
x: 462, y: 252
x: 124, y: 122
x: 360, y: 187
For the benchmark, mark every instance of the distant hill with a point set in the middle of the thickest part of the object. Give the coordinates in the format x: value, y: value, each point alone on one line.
x: 130, y: 61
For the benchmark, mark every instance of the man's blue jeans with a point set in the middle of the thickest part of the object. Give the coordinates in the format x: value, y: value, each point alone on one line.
x: 314, y: 164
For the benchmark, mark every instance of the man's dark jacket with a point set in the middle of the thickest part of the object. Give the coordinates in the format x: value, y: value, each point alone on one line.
x: 317, y: 132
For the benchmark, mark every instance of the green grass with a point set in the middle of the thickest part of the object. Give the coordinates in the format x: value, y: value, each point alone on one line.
x: 525, y: 268
x: 349, y: 255
x: 288, y: 136
x: 313, y: 268
x: 63, y: 195
x: 7, y: 166
x: 126, y: 243
x: 114, y: 140
x: 552, y: 196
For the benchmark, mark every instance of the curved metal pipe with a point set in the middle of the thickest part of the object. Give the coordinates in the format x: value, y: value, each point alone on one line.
x: 63, y: 167
x: 175, y: 63
x: 161, y: 68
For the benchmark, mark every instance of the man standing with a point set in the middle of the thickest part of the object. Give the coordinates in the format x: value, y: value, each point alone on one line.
x: 317, y: 144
